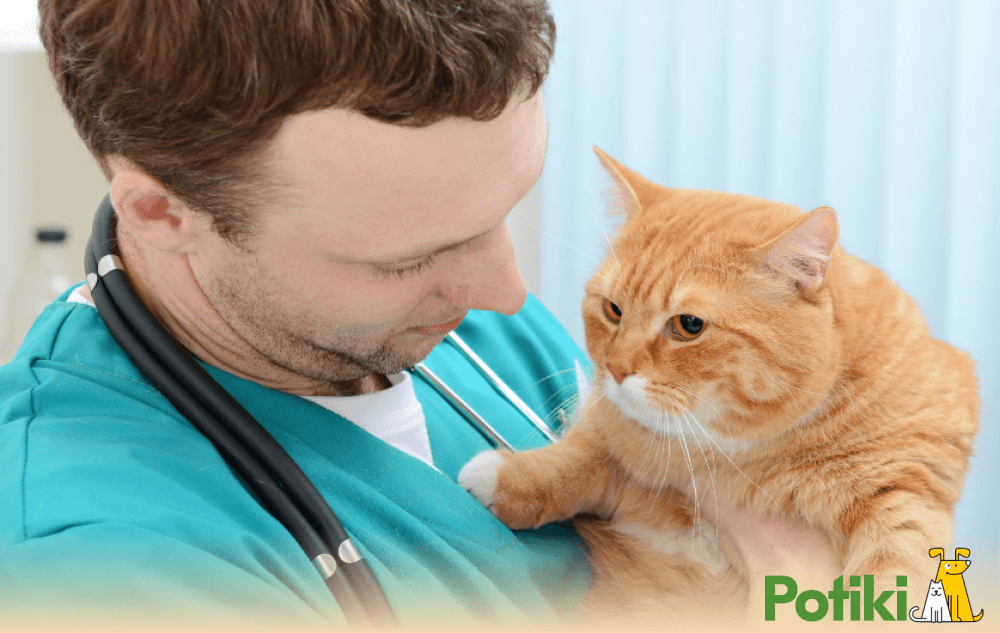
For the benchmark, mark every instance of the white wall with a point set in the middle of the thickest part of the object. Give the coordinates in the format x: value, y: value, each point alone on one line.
x: 18, y: 34
x: 48, y: 175
x: 11, y: 200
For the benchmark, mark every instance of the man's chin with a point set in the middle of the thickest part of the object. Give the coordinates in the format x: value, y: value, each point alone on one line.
x: 413, y: 347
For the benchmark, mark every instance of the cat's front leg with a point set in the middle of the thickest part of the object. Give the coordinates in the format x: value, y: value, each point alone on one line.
x: 530, y: 489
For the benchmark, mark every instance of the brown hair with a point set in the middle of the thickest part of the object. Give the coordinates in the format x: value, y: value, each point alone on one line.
x: 193, y: 91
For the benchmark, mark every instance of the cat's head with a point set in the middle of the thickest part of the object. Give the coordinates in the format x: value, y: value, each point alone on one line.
x: 713, y: 309
x: 936, y: 588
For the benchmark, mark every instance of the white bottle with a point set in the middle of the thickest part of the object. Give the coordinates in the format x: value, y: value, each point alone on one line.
x: 42, y: 279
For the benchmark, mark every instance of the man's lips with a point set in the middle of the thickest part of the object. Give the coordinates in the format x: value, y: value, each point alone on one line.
x: 443, y: 328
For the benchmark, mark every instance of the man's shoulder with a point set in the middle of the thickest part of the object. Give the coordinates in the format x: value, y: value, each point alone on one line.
x: 73, y: 409
x: 69, y: 352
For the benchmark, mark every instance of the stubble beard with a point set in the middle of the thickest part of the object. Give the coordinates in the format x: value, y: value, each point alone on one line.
x: 290, y: 342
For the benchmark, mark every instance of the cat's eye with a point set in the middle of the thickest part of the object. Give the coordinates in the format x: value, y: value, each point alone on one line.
x: 612, y: 312
x: 687, y: 327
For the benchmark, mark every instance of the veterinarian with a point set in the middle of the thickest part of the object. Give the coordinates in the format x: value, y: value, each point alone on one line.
x: 308, y: 196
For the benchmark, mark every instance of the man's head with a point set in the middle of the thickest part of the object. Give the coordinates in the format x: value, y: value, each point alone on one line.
x: 331, y: 176
x: 191, y: 92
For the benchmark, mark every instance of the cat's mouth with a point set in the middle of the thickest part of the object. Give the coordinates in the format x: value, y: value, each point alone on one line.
x: 653, y: 396
x: 669, y: 410
x: 660, y: 408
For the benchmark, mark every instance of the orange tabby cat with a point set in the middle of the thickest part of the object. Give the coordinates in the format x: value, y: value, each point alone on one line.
x: 739, y: 350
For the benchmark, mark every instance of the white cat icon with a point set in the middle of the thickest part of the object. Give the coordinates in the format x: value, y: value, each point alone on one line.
x: 935, y: 606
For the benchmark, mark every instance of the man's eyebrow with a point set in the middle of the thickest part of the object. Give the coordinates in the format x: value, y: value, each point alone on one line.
x: 423, y: 254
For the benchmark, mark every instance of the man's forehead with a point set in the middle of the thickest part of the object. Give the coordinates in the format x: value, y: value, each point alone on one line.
x: 341, y: 144
x: 379, y: 183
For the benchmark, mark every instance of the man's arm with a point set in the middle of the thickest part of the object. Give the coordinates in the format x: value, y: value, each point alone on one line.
x: 759, y: 546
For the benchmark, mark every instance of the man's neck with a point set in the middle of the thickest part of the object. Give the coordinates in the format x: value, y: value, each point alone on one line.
x: 366, y: 384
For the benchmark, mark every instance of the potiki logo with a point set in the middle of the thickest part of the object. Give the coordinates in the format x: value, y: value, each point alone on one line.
x: 862, y: 603
x: 947, y: 598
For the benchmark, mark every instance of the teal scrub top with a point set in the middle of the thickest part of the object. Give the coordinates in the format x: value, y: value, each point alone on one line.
x: 113, y: 507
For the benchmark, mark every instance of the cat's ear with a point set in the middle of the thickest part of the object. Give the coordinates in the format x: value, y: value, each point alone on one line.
x: 803, y: 252
x: 631, y: 190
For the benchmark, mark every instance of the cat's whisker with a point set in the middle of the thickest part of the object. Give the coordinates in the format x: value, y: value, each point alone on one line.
x: 715, y: 467
x: 738, y: 469
x: 660, y: 440
x: 641, y: 472
x: 591, y: 402
x: 603, y: 231
x: 652, y: 440
x: 578, y: 414
x: 706, y: 401
x: 564, y: 413
x: 570, y: 402
x: 664, y: 440
x: 669, y: 444
x: 590, y: 256
x: 589, y: 271
x: 711, y: 472
x: 689, y: 418
x: 551, y: 419
x: 523, y: 444
x: 694, y: 478
x: 526, y: 388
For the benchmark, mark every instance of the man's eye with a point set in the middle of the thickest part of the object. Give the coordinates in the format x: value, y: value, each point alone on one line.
x: 409, y: 270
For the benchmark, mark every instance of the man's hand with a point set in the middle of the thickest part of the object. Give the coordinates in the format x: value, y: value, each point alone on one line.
x: 759, y: 546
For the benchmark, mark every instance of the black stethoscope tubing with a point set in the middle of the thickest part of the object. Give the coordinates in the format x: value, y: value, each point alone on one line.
x: 270, y: 473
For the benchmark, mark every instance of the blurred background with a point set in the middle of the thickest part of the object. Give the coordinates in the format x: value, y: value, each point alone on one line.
x: 47, y: 176
x: 888, y: 111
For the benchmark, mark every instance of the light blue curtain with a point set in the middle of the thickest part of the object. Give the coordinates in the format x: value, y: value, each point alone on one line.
x: 887, y: 111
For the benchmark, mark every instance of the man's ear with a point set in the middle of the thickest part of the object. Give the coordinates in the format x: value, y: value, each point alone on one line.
x: 151, y: 214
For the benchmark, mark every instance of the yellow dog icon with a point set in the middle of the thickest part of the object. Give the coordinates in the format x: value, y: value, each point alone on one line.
x: 950, y: 576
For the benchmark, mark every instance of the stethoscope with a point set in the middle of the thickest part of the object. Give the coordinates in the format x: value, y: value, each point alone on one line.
x: 270, y: 473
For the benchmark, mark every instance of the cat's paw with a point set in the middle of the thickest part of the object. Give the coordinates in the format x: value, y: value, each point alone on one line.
x: 512, y: 494
x: 480, y: 476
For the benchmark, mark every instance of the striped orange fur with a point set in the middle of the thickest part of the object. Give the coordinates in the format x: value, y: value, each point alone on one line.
x: 812, y: 389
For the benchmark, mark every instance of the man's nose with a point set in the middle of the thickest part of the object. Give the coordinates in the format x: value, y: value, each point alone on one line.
x: 489, y: 278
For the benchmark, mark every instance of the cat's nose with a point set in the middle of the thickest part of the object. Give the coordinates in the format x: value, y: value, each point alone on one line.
x: 619, y: 373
